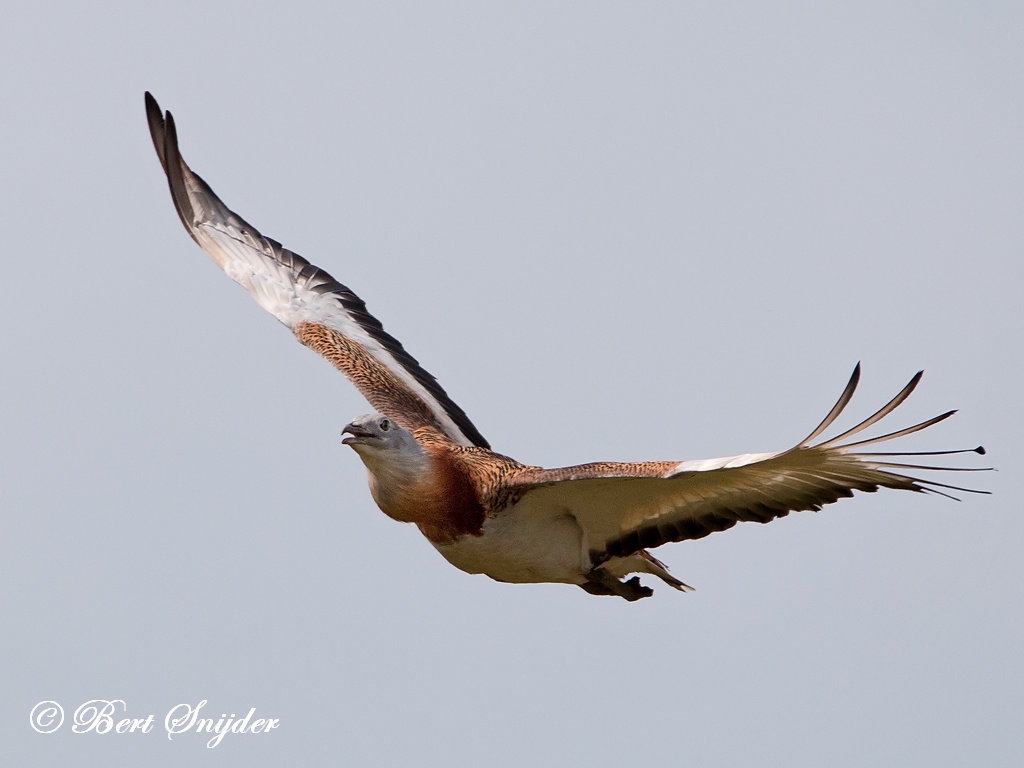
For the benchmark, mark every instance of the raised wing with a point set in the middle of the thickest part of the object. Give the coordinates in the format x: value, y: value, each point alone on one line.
x: 624, y: 508
x: 324, y: 314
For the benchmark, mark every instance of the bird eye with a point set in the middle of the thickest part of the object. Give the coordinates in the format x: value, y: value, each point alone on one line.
x: 385, y: 425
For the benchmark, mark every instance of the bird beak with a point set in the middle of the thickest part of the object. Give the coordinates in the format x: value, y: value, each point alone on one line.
x: 357, y: 433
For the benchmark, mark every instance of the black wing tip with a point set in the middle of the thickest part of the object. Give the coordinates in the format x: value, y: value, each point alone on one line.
x: 837, y: 409
x: 171, y: 132
x: 980, y: 450
x: 157, y: 128
x: 854, y: 381
x: 165, y: 140
x: 161, y: 127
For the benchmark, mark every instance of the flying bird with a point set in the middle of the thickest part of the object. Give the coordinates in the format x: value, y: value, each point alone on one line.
x: 590, y: 525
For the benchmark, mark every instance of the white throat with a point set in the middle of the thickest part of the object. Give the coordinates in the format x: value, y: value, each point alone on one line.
x: 393, y: 472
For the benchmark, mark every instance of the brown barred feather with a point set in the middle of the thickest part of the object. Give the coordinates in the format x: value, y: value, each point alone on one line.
x: 373, y: 379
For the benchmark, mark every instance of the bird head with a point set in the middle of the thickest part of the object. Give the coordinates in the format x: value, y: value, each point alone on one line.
x: 394, y: 460
x: 374, y: 433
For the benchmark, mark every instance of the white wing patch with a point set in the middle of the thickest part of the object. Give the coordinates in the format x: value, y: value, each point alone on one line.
x: 727, y: 462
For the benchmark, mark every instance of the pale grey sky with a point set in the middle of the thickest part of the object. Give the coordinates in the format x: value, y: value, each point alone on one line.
x: 612, y: 231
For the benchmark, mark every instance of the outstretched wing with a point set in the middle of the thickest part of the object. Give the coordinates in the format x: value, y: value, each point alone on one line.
x: 324, y: 314
x: 624, y: 508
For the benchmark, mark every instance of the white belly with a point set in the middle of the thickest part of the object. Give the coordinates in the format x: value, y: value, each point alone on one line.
x: 522, y: 549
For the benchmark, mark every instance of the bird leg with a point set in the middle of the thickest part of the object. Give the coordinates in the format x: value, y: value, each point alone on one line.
x: 600, y: 582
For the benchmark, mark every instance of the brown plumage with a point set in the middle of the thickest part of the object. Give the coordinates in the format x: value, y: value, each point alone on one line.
x: 382, y: 389
x: 427, y: 463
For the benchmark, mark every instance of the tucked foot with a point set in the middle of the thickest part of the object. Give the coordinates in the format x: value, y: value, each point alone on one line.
x: 603, y: 583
